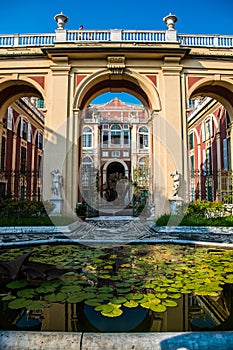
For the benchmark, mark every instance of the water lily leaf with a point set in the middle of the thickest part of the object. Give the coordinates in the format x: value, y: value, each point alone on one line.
x: 26, y: 293
x: 47, y: 287
x: 17, y: 284
x: 137, y: 296
x: 175, y: 296
x: 70, y: 289
x: 114, y: 313
x: 17, y: 303
x: 119, y: 300
x: 130, y: 304
x: 171, y: 303
x: 55, y: 297
x: 158, y: 308
x: 92, y: 302
x: 105, y: 308
x: 36, y: 304
x: 105, y: 289
x: 161, y: 295
x: 75, y: 298
x: 8, y: 297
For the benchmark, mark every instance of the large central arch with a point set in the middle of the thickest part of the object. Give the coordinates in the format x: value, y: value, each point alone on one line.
x: 130, y: 81
x: 103, y: 81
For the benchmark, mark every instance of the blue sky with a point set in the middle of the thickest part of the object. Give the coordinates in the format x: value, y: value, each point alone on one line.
x: 194, y: 17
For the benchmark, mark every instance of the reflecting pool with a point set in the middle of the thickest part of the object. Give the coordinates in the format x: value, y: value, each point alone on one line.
x: 129, y: 288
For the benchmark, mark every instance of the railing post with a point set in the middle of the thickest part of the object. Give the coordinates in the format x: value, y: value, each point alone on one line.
x: 16, y: 40
x: 215, y: 41
x: 116, y: 35
x: 60, y: 31
x: 171, y: 33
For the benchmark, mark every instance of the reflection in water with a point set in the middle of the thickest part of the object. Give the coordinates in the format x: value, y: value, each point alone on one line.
x: 192, y: 313
x: 132, y: 288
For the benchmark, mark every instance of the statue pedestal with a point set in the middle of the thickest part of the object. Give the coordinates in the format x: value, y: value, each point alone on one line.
x: 152, y: 212
x: 175, y: 204
x: 58, y: 202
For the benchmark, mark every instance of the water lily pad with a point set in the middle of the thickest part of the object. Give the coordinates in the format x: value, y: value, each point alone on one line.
x: 17, y: 303
x: 170, y: 303
x: 26, y: 293
x: 113, y: 313
x: 75, y: 298
x: 137, y: 296
x: 8, y: 297
x: 161, y: 295
x: 17, y: 284
x: 119, y: 300
x: 175, y: 295
x: 55, y: 297
x: 158, y: 308
x: 130, y: 304
x: 92, y: 302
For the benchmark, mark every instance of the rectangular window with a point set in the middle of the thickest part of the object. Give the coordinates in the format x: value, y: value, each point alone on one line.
x: 126, y: 138
x: 115, y: 138
x: 125, y: 154
x: 143, y: 140
x: 191, y: 141
x: 115, y: 154
x: 40, y: 103
x: 192, y: 164
x: 105, y: 138
x: 87, y: 140
x: 23, y: 158
x: 225, y: 155
x: 39, y: 166
x: 105, y: 154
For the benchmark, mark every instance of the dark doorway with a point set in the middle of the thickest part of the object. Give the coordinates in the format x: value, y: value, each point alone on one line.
x: 115, y: 172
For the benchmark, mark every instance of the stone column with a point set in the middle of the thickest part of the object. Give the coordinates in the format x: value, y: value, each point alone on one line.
x: 58, y: 140
x: 169, y: 128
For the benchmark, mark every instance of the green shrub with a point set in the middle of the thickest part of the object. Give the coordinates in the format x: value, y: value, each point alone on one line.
x: 204, y: 208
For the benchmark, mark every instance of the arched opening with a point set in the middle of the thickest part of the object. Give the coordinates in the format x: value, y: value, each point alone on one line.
x: 210, y: 141
x: 117, y: 123
x: 22, y: 140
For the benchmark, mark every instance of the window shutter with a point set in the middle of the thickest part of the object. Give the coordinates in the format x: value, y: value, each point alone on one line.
x: 225, y: 157
x: 203, y: 132
x: 10, y: 118
x: 29, y: 138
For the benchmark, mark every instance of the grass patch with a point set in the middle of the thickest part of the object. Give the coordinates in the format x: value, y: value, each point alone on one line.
x: 37, y: 221
x: 167, y: 219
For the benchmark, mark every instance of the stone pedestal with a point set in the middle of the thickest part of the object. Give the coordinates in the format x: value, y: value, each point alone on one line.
x: 152, y: 212
x: 58, y: 202
x: 175, y: 204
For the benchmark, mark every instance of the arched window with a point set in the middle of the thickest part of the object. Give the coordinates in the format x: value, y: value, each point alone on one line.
x: 115, y: 135
x: 143, y: 137
x: 87, y: 137
x: 142, y: 162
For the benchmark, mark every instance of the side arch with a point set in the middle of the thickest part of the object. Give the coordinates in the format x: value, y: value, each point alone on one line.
x: 218, y: 89
x: 13, y: 89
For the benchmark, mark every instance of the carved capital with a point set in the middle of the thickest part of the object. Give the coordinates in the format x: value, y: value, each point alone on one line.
x: 116, y: 64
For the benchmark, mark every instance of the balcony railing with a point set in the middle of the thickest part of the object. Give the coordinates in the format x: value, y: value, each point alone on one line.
x: 108, y: 36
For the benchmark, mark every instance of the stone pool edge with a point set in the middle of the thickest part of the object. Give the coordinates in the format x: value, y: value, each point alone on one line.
x: 15, y: 340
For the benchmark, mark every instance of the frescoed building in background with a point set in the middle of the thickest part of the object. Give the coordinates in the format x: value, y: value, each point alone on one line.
x: 210, y: 154
x: 116, y: 142
x: 22, y: 142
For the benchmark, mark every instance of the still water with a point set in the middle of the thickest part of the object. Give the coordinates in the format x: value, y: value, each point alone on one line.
x: 130, y: 288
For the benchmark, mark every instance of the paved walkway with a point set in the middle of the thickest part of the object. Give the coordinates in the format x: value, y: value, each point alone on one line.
x: 115, y: 230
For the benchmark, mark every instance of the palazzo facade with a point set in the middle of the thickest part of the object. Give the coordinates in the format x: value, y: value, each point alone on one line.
x: 22, y: 142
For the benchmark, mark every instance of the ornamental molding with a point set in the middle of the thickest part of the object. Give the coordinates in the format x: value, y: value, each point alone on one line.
x: 116, y: 64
